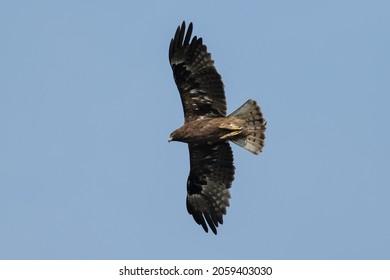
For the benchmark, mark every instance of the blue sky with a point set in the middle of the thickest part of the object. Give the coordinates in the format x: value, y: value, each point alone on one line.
x: 87, y: 102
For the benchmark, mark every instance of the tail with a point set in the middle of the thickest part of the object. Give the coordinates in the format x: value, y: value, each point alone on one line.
x: 253, y: 137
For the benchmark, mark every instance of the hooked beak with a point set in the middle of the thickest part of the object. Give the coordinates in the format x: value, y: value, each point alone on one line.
x: 170, y: 139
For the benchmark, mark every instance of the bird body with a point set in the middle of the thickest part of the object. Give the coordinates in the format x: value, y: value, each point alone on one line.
x: 236, y: 129
x: 207, y: 129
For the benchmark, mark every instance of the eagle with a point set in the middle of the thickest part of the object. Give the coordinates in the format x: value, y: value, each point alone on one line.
x: 207, y: 129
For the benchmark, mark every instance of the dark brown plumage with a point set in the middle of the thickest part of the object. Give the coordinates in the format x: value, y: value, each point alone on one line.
x: 207, y: 129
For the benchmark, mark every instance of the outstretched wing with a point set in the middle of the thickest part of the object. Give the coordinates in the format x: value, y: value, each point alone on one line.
x: 211, y: 175
x: 200, y: 85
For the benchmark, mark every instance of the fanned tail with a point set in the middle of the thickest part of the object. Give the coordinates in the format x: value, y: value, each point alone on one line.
x: 253, y: 137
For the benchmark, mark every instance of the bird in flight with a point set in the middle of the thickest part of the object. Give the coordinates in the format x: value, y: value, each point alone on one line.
x: 207, y: 129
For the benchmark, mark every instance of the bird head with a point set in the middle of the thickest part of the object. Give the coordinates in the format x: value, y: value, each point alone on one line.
x: 172, y: 136
x: 177, y: 135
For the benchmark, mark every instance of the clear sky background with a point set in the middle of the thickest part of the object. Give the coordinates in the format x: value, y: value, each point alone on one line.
x: 87, y: 102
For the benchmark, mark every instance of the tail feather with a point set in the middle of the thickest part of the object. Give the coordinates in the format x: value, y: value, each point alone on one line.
x: 253, y: 137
